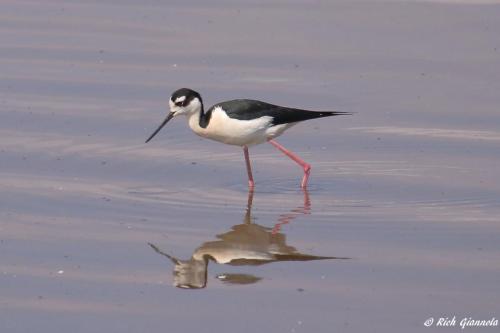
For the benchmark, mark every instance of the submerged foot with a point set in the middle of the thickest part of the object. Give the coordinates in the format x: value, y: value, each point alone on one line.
x: 305, y: 179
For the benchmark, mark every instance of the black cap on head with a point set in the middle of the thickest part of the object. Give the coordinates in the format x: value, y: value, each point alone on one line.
x: 186, y: 92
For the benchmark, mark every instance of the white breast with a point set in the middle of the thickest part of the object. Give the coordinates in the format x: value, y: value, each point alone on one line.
x: 236, y: 132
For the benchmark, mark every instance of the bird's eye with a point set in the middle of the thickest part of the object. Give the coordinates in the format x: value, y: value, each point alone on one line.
x: 182, y: 103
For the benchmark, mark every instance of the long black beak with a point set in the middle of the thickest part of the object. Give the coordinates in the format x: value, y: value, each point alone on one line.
x: 170, y: 116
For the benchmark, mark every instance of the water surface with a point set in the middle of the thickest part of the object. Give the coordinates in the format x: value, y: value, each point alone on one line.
x: 407, y: 189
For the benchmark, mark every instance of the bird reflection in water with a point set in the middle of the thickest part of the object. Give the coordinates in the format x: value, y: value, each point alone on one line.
x: 247, y: 244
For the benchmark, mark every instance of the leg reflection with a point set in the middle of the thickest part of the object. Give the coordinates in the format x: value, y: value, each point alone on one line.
x: 305, y: 209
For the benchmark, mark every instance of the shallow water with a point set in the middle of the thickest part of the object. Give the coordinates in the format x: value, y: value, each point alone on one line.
x: 407, y: 190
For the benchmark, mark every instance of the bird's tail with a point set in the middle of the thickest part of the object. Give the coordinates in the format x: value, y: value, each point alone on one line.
x: 334, y: 113
x: 285, y: 115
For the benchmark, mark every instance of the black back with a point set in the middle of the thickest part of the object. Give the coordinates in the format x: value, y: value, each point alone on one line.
x: 247, y: 109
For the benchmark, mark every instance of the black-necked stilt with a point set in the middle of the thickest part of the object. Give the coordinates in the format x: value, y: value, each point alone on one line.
x: 241, y: 122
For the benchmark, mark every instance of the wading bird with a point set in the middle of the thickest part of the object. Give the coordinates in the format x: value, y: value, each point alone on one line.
x: 241, y: 122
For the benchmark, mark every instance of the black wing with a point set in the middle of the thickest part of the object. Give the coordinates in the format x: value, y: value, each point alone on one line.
x: 247, y: 109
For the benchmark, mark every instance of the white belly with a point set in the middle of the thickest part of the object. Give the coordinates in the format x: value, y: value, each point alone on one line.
x: 236, y: 132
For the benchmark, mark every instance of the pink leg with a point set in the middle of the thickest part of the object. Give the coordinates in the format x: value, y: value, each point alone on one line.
x: 298, y: 160
x: 249, y: 168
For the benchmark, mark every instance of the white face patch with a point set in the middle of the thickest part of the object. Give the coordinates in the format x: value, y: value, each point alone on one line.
x: 171, y: 104
x: 180, y: 99
x: 194, y: 106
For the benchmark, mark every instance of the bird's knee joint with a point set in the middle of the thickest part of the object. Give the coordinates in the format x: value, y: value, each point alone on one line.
x: 307, y: 168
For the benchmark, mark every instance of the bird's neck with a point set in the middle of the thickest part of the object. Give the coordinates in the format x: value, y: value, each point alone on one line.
x: 204, y: 117
x: 198, y: 120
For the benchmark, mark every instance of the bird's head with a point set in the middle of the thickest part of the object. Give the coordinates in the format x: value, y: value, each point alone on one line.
x: 185, y: 101
x: 182, y: 102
